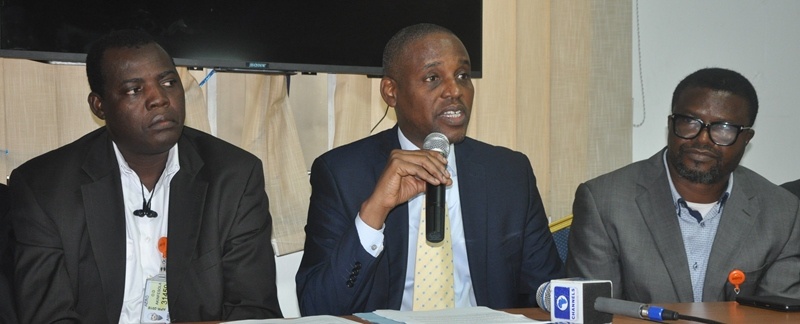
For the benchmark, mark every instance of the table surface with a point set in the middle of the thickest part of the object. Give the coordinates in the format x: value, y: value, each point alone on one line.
x: 726, y: 312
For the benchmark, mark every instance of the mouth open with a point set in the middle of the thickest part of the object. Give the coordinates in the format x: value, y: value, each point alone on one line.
x: 454, y: 117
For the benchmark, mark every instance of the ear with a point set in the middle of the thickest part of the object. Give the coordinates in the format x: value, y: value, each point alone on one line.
x: 389, y: 91
x: 748, y: 135
x: 96, y: 105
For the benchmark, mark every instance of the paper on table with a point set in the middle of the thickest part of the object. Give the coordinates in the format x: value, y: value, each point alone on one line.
x: 455, y: 315
x: 322, y: 319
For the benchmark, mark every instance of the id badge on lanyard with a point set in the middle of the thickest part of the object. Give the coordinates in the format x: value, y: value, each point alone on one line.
x: 155, y: 306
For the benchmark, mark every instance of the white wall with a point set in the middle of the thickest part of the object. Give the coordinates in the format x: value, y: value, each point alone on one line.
x: 286, y: 268
x: 759, y: 39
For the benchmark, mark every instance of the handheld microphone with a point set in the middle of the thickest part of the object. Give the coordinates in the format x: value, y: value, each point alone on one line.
x: 632, y: 309
x: 572, y: 300
x: 434, y: 196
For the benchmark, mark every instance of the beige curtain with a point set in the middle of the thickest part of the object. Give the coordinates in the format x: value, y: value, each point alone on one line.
x: 556, y: 86
x: 254, y: 113
x: 44, y: 106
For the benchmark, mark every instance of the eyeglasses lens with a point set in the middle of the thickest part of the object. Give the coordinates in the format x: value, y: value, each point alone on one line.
x: 721, y: 134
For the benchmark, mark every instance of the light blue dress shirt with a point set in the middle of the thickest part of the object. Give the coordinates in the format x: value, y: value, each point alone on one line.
x: 698, y: 232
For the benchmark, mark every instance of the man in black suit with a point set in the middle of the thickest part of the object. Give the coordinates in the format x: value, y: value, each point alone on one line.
x: 95, y: 218
x: 7, y: 312
x: 793, y: 187
x: 367, y: 197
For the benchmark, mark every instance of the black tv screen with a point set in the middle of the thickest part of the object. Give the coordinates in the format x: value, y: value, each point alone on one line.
x: 283, y: 36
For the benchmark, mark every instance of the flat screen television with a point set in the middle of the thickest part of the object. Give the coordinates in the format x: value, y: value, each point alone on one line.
x: 275, y: 36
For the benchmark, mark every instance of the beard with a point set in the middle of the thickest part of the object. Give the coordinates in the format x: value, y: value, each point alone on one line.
x: 710, y: 176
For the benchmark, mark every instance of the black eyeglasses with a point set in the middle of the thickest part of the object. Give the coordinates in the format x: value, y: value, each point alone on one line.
x: 721, y: 133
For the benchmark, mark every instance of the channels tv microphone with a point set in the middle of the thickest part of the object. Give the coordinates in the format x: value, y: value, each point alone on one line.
x: 434, y: 196
x: 572, y: 300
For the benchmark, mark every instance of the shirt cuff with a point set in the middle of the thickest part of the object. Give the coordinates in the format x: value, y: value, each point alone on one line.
x: 371, y: 239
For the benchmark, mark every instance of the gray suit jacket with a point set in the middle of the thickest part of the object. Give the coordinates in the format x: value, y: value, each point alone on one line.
x: 793, y: 186
x: 625, y: 229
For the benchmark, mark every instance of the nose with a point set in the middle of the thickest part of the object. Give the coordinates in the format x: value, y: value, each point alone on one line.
x: 157, y: 97
x: 705, y: 135
x: 452, y: 88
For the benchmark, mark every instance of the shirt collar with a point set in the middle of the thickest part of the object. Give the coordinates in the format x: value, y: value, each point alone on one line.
x: 676, y: 197
x: 172, y: 167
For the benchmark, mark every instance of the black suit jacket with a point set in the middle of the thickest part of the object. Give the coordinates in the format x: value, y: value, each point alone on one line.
x: 793, y: 187
x: 68, y: 215
x: 7, y: 313
x: 509, y: 245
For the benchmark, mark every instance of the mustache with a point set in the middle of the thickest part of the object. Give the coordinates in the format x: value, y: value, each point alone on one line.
x: 701, y: 147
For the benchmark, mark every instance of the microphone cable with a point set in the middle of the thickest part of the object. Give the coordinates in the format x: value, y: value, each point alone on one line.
x: 659, y: 314
x: 643, y: 311
x: 697, y: 319
x: 385, y: 112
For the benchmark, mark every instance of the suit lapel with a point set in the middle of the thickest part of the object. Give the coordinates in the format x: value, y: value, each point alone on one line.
x: 186, y: 201
x: 396, y: 240
x: 105, y: 222
x: 474, y: 215
x: 658, y: 211
x: 737, y: 214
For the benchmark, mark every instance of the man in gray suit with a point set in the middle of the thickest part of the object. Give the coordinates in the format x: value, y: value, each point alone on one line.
x: 793, y: 186
x: 677, y: 226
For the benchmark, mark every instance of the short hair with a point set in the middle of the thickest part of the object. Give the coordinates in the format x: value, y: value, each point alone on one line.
x: 402, y: 38
x: 720, y: 79
x: 129, y: 38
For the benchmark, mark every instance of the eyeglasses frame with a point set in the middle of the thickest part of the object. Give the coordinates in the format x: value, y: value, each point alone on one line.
x: 707, y: 127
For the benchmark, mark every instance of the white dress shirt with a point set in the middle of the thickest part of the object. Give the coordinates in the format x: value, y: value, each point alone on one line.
x: 142, y: 258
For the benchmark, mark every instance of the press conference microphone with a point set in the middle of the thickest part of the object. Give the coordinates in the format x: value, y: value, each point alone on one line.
x: 543, y: 296
x: 571, y: 300
x: 434, y: 197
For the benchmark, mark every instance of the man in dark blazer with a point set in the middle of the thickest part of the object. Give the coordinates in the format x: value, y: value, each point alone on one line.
x: 689, y: 224
x: 73, y: 217
x: 793, y: 187
x: 7, y: 312
x: 369, y: 185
